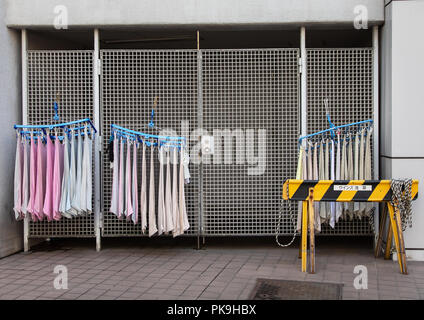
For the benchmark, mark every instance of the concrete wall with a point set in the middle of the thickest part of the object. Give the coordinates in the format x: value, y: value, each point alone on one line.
x: 402, y: 110
x: 10, y: 113
x: 127, y: 13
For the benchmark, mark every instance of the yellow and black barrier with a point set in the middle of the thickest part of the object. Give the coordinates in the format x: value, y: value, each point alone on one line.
x: 309, y: 191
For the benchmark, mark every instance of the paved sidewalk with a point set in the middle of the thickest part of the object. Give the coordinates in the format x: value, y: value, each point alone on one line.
x: 226, y: 269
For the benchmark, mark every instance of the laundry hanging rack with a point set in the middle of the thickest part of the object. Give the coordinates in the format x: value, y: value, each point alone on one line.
x: 67, y: 126
x: 347, y: 156
x: 171, y: 215
x: 349, y: 129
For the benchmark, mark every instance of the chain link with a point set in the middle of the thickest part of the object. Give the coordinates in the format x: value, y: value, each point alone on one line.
x: 292, y: 218
x: 401, y: 200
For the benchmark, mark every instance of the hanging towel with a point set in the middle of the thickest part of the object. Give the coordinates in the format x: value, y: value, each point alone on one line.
x: 152, y: 214
x: 315, y: 177
x: 356, y: 170
x: 183, y: 208
x: 89, y: 167
x: 18, y: 179
x: 161, y: 202
x: 25, y: 178
x: 48, y: 198
x: 66, y: 180
x: 338, y: 171
x: 343, y: 175
x: 72, y: 175
x: 170, y: 222
x: 327, y: 176
x: 32, y: 178
x: 57, y: 177
x: 84, y: 173
x: 121, y: 194
x: 186, y: 161
x: 310, y: 169
x: 41, y: 179
x: 115, y: 181
x: 299, y: 176
x: 134, y: 185
x: 368, y: 170
x: 321, y: 176
x: 143, y: 198
x: 128, y: 186
x: 76, y: 200
x: 332, y: 177
x: 362, y: 205
x: 175, y: 208
x: 350, y: 165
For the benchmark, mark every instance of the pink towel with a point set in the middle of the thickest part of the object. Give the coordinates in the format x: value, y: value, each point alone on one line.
x: 40, y: 179
x: 135, y: 185
x: 121, y: 204
x: 32, y: 179
x: 128, y: 187
x: 57, y: 177
x: 48, y: 198
x: 18, y: 179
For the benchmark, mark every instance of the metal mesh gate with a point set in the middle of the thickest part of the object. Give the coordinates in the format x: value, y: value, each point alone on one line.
x: 249, y: 92
x: 130, y: 81
x: 345, y: 78
x: 69, y: 74
x: 253, y: 93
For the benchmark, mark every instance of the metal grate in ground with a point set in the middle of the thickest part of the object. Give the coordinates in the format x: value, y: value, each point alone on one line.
x: 274, y: 289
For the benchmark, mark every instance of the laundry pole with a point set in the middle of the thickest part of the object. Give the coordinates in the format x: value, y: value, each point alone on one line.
x: 24, y: 46
x: 97, y: 140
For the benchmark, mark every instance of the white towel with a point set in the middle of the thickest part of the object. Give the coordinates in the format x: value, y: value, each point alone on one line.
x: 152, y: 214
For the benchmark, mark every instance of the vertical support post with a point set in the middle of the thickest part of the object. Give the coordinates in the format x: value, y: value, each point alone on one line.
x: 376, y: 103
x: 380, y: 232
x: 303, y: 87
x: 401, y: 241
x: 304, y: 234
x: 395, y: 235
x: 311, y: 230
x: 24, y: 61
x: 389, y: 241
x: 97, y: 144
x: 200, y: 125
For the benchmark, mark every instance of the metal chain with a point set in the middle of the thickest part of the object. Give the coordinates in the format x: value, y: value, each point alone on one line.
x: 292, y: 218
x: 401, y: 200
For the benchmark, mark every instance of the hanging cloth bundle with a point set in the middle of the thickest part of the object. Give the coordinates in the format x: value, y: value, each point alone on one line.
x: 143, y: 197
x: 345, y: 154
x: 53, y: 173
x: 171, y: 212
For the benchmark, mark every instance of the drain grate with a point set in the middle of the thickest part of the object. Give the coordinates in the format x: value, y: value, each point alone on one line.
x: 273, y: 289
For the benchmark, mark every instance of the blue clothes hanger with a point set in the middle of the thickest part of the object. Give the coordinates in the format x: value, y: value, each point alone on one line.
x: 146, y: 138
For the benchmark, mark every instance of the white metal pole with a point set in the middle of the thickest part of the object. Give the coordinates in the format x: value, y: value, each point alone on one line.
x: 376, y: 100
x: 376, y: 103
x: 97, y: 148
x: 24, y: 46
x: 303, y: 101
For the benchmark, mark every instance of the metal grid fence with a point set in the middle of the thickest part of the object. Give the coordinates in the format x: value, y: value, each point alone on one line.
x: 256, y: 89
x: 345, y: 78
x: 69, y: 74
x: 130, y: 81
